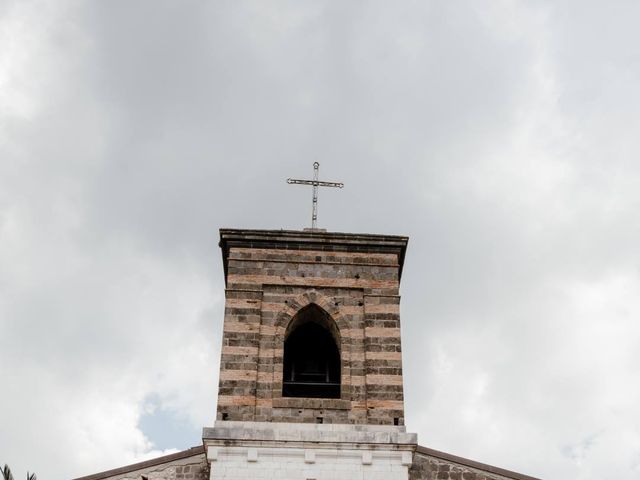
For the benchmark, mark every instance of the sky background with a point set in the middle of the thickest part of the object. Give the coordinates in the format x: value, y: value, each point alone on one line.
x: 502, y: 137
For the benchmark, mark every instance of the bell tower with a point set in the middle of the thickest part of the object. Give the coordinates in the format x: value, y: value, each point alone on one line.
x: 311, y: 366
x: 311, y: 369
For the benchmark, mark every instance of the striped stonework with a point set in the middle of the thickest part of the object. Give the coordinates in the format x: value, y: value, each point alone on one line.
x: 270, y: 276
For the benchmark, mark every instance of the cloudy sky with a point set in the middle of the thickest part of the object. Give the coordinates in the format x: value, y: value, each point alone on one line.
x: 503, y: 137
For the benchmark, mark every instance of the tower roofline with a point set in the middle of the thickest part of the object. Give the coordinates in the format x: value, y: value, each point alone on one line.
x: 312, y: 240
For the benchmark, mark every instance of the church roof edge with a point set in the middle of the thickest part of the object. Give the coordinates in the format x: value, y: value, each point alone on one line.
x: 484, y: 467
x: 200, y: 450
x: 312, y: 240
x: 191, y: 452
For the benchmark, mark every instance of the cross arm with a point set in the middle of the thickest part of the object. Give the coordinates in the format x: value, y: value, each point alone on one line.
x: 317, y: 183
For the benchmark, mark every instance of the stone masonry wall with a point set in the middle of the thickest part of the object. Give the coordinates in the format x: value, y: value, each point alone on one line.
x: 186, y: 467
x: 430, y: 467
x: 266, y: 287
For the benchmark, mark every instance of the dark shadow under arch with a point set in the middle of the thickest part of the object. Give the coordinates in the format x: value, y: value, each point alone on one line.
x: 311, y: 363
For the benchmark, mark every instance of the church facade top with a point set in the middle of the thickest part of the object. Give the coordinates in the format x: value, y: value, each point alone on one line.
x: 311, y: 383
x: 312, y: 327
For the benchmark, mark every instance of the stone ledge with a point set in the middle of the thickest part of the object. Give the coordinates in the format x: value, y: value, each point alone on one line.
x: 314, y: 403
x: 366, y: 456
x: 232, y: 432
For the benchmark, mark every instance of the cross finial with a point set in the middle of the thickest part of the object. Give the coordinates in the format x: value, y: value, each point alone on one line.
x: 316, y: 183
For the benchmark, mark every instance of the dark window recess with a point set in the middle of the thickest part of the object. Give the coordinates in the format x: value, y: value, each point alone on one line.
x: 311, y: 360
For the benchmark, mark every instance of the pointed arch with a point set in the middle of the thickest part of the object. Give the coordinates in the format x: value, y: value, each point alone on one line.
x: 297, y: 303
x: 312, y: 313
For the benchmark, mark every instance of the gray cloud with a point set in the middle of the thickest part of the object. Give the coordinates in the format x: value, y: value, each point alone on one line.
x: 501, y: 136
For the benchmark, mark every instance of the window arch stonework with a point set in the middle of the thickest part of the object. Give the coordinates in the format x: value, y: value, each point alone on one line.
x: 342, y: 335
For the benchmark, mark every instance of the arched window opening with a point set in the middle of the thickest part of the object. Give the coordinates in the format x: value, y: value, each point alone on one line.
x: 311, y: 366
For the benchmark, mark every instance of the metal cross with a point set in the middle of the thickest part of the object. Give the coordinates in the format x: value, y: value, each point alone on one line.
x: 316, y: 183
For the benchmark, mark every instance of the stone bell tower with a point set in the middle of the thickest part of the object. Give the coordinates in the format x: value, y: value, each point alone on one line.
x: 311, y: 367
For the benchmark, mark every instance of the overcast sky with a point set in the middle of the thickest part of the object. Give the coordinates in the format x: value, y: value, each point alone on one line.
x: 503, y: 137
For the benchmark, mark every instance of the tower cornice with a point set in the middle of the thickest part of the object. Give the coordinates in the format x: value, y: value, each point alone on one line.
x: 316, y: 240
